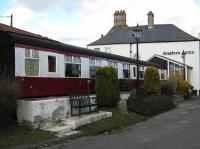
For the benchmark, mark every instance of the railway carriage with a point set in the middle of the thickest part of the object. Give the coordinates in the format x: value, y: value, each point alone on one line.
x: 45, y: 67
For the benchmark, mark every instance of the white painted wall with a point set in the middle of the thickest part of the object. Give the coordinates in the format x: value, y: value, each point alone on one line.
x: 60, y: 65
x: 42, y: 112
x: 19, y: 62
x: 147, y: 50
x: 43, y: 63
x: 43, y: 57
x: 84, y: 67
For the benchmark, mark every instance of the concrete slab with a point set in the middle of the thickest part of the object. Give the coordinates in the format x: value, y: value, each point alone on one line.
x: 78, y: 121
x: 66, y: 126
x: 58, y: 130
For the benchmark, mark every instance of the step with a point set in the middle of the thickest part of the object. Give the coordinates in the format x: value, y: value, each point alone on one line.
x: 59, y: 130
x: 70, y: 133
x: 78, y: 121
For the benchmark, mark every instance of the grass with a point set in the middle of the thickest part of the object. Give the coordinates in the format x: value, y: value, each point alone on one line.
x: 12, y: 135
x: 117, y: 121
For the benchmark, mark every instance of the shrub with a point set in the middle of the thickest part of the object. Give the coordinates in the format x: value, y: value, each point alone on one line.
x: 168, y: 88
x: 182, y: 86
x: 142, y: 92
x: 152, y: 81
x: 8, y: 95
x: 107, y: 87
x: 150, y: 105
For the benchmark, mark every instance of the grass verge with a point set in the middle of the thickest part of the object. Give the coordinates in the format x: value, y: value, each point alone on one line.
x: 12, y: 135
x: 117, y: 121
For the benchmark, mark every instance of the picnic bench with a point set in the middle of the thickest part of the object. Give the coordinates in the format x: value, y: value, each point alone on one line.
x: 80, y: 101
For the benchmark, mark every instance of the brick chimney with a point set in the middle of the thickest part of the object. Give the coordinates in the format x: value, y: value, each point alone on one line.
x: 150, y: 20
x: 120, y: 19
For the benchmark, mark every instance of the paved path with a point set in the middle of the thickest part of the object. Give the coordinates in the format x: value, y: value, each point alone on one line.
x: 177, y: 129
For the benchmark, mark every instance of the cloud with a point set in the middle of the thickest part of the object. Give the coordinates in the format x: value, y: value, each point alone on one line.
x: 80, y: 22
x: 36, y: 5
x: 21, y: 15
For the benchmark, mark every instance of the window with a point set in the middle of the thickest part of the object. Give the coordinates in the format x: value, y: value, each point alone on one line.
x: 162, y: 74
x: 97, y: 49
x: 126, y: 71
x: 141, y: 72
x: 31, y: 62
x: 114, y: 65
x: 94, y: 65
x: 182, y: 72
x: 171, y: 70
x: 134, y: 72
x: 107, y: 49
x: 52, y: 63
x: 177, y: 70
x: 72, y: 66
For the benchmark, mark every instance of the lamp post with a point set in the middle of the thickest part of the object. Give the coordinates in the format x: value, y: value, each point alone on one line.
x: 137, y: 34
x: 183, y: 55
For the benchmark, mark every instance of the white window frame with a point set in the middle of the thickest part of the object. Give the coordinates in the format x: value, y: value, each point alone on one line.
x: 72, y: 62
x: 108, y: 49
x: 94, y: 64
x: 126, y: 66
x: 134, y: 72
x: 31, y: 57
x: 141, y: 69
x: 52, y: 55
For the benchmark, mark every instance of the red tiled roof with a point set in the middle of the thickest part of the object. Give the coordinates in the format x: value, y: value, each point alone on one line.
x: 19, y: 31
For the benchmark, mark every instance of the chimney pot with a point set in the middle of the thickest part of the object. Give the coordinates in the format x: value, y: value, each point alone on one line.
x: 120, y: 19
x: 150, y: 20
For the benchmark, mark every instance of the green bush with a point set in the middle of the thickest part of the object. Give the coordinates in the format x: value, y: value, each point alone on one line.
x: 152, y: 81
x: 168, y: 88
x: 142, y: 92
x: 183, y: 86
x: 150, y: 105
x: 8, y: 95
x: 107, y: 87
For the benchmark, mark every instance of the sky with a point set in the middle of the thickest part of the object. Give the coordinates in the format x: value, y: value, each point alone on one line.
x: 80, y: 22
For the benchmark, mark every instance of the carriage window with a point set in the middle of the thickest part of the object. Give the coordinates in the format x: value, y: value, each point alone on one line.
x: 31, y: 62
x: 52, y: 63
x: 72, y: 66
x: 134, y: 72
x: 126, y: 71
x: 97, y: 49
x: 94, y: 65
x: 113, y: 64
x: 141, y: 72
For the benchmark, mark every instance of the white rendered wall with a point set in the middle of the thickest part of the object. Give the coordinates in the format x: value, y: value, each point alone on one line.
x: 19, y: 62
x: 43, y: 63
x: 43, y: 111
x: 147, y: 50
x: 60, y: 65
x: 84, y: 67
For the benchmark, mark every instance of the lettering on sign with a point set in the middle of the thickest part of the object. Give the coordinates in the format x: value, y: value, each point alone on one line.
x: 177, y: 52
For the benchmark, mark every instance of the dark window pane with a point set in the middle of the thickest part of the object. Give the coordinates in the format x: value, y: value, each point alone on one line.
x: 141, y: 74
x: 93, y: 70
x: 52, y: 63
x: 134, y: 71
x: 72, y: 70
x: 126, y: 73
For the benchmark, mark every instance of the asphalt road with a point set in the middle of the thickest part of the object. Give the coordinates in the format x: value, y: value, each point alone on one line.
x: 176, y: 129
